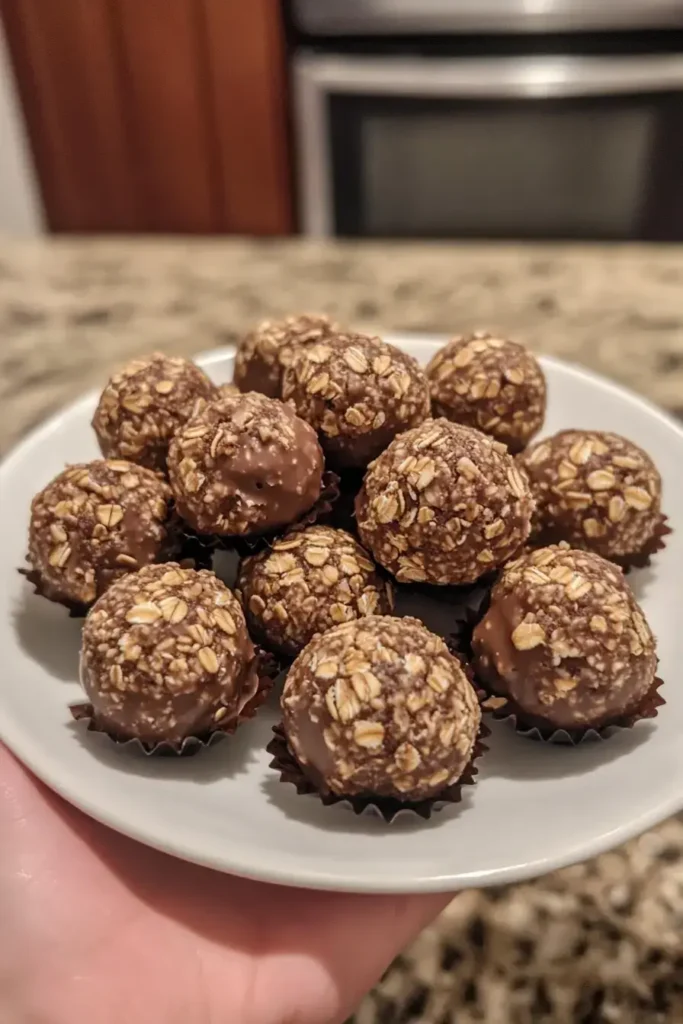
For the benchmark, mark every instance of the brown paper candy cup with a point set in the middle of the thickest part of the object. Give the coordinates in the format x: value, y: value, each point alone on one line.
x: 261, y: 676
x: 505, y: 710
x: 386, y: 808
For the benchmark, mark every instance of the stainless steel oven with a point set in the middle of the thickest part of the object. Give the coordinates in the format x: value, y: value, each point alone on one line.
x: 416, y: 119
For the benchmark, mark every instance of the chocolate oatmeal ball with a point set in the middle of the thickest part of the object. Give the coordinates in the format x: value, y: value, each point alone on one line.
x: 596, y: 491
x: 308, y: 581
x: 166, y: 655
x: 490, y: 383
x: 265, y: 352
x: 565, y: 640
x: 358, y: 393
x: 143, y: 405
x: 93, y: 523
x: 379, y: 706
x: 244, y: 464
x: 443, y: 504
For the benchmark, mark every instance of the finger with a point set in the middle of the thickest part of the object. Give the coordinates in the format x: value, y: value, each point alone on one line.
x: 390, y: 924
x: 331, y: 949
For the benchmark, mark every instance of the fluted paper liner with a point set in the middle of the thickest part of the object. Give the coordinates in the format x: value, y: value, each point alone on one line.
x: 259, y: 681
x: 387, y: 808
x: 503, y: 709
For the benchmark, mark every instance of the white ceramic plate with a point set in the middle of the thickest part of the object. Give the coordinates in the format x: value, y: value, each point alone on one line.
x: 535, y: 808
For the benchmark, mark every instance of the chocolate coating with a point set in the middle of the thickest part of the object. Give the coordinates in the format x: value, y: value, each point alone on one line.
x: 265, y: 352
x: 244, y: 464
x: 490, y: 383
x: 308, y: 581
x: 594, y: 490
x: 94, y: 523
x: 358, y: 393
x: 166, y: 655
x: 379, y: 706
x: 443, y: 504
x: 565, y: 639
x: 143, y: 405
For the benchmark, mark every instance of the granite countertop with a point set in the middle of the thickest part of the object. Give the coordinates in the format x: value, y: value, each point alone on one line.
x: 601, y: 942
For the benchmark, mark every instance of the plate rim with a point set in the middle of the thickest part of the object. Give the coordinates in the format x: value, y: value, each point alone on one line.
x: 319, y: 878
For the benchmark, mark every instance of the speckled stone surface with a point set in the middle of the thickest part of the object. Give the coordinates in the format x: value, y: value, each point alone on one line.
x: 601, y: 942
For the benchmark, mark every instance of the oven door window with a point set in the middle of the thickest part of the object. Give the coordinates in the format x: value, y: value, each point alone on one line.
x: 588, y: 168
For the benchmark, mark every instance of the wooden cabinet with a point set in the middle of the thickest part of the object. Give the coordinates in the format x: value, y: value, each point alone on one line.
x: 155, y: 115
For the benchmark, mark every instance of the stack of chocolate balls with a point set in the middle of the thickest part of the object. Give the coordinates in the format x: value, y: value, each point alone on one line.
x: 451, y: 491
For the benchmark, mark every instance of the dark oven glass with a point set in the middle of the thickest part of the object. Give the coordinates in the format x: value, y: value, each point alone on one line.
x: 595, y: 167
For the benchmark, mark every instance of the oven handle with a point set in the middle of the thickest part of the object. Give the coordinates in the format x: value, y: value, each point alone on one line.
x: 544, y: 77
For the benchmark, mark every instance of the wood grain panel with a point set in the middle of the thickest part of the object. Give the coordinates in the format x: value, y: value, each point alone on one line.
x: 169, y: 104
x: 247, y: 66
x: 68, y: 77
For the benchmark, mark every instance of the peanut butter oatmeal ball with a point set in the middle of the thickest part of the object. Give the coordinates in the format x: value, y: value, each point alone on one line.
x: 244, y: 464
x: 143, y: 405
x: 308, y: 581
x: 490, y: 383
x: 379, y: 706
x: 93, y: 523
x: 166, y: 655
x: 596, y: 491
x: 565, y: 640
x: 265, y: 352
x: 358, y: 393
x: 443, y: 504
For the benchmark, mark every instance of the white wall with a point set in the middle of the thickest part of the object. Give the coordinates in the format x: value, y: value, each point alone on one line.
x: 20, y: 207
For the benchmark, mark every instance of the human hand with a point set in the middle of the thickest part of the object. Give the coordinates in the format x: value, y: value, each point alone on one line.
x: 96, y: 928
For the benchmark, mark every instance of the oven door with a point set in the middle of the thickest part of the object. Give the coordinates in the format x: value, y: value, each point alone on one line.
x: 499, y: 147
